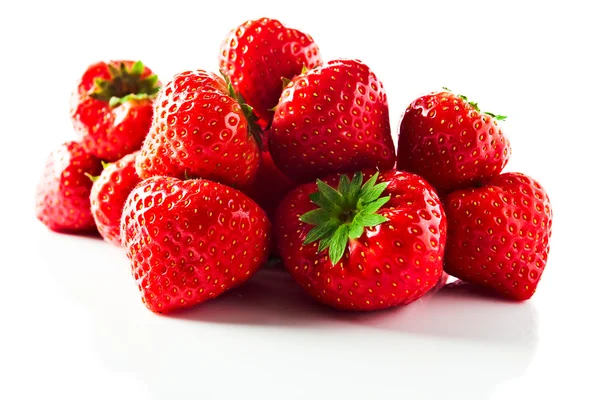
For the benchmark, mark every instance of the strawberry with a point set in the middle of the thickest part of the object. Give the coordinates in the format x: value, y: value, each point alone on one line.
x: 109, y: 192
x: 111, y: 109
x: 189, y: 241
x: 498, y: 234
x: 385, y: 240
x: 257, y: 55
x: 333, y: 118
x: 201, y: 129
x: 449, y: 142
x: 63, y: 192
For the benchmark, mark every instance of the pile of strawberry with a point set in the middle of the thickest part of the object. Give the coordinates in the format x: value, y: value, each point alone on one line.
x: 284, y: 156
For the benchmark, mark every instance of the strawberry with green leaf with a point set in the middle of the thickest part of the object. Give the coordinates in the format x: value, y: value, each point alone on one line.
x: 447, y: 140
x: 202, y: 128
x: 363, y: 246
x: 111, y: 109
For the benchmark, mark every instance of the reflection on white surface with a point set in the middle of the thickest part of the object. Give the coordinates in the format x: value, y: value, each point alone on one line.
x: 268, y: 336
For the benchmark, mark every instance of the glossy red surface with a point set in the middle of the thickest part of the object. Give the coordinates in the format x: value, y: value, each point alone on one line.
x: 108, y: 196
x: 189, y: 241
x: 498, y: 235
x: 449, y: 143
x: 199, y: 130
x: 334, y: 118
x: 391, y: 264
x: 258, y: 54
x: 63, y: 192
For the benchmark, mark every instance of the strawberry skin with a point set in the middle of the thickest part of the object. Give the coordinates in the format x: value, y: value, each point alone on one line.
x: 109, y: 192
x: 393, y: 262
x: 333, y: 118
x: 258, y: 54
x: 446, y: 139
x: 498, y: 235
x: 111, y: 109
x: 199, y: 130
x: 63, y: 192
x: 189, y: 241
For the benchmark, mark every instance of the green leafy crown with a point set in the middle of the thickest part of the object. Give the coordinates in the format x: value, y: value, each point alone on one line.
x: 343, y: 213
x: 125, y: 84
x: 476, y: 106
x: 255, y: 129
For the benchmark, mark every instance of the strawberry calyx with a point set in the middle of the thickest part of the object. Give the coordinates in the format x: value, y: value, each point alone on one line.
x: 343, y: 213
x: 254, y: 129
x: 476, y: 106
x: 125, y: 84
x: 94, y: 178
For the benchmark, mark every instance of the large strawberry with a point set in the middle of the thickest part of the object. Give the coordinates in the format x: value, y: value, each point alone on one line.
x: 109, y: 192
x: 449, y: 142
x: 257, y: 55
x: 333, y: 118
x: 63, y: 192
x: 111, y: 109
x: 385, y: 240
x: 201, y: 129
x: 498, y: 234
x: 189, y: 241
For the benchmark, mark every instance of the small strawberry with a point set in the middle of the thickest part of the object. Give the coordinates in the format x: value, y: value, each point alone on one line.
x: 498, y: 234
x: 385, y: 240
x: 333, y: 118
x: 257, y: 55
x: 201, y: 129
x: 63, y: 192
x: 111, y: 109
x: 189, y: 241
x: 449, y: 142
x: 109, y: 192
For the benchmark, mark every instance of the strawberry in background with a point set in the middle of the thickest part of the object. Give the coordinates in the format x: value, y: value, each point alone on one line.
x: 111, y: 109
x: 363, y: 246
x: 499, y: 234
x: 447, y: 140
x: 258, y: 56
x: 201, y: 128
x: 190, y: 241
x: 63, y: 192
x: 332, y: 118
x: 109, y: 192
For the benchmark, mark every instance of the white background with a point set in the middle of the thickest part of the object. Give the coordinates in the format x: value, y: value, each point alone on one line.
x: 72, y: 324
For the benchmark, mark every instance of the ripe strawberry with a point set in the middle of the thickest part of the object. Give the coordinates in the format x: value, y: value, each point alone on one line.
x: 498, y: 234
x: 257, y: 55
x: 449, y: 142
x: 63, y: 192
x: 383, y: 251
x: 109, y: 192
x: 201, y: 129
x: 333, y: 118
x: 111, y: 109
x: 189, y: 241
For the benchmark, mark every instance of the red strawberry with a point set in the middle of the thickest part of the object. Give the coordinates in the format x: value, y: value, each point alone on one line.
x: 63, y: 192
x: 332, y: 119
x: 258, y: 54
x: 189, y: 241
x: 449, y: 142
x: 109, y: 192
x: 112, y: 107
x: 201, y: 129
x: 383, y: 251
x: 498, y: 234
